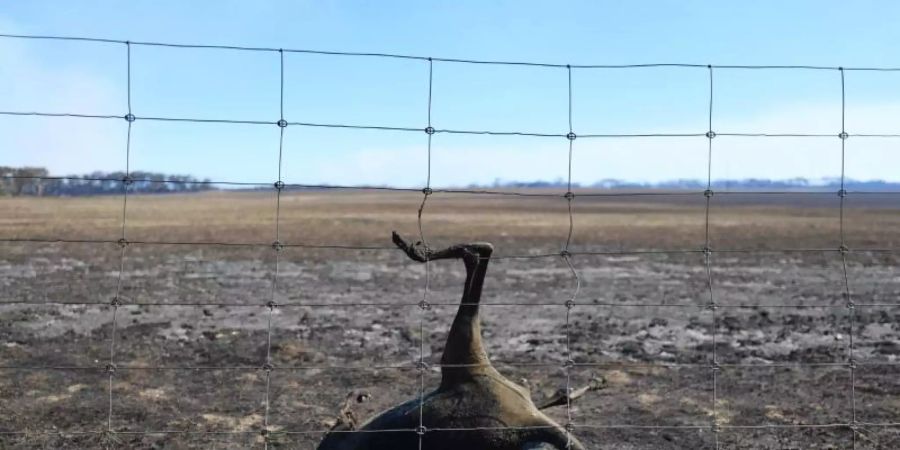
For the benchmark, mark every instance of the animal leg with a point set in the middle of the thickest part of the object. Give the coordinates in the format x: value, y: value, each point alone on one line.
x: 421, y: 253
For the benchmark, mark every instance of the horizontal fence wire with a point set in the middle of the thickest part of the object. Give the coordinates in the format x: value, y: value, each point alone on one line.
x: 860, y: 425
x: 587, y: 192
x: 572, y: 194
x: 437, y: 59
x: 445, y: 130
x: 414, y: 366
x: 123, y: 301
x: 288, y: 245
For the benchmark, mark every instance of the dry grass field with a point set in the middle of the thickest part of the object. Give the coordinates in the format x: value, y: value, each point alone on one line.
x: 347, y: 319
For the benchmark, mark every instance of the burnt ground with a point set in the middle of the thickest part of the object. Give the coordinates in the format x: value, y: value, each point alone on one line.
x: 191, y: 338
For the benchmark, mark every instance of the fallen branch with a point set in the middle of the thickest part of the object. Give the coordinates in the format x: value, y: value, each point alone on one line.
x: 561, y: 398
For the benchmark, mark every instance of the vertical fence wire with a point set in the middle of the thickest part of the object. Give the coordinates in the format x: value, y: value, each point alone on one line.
x: 424, y: 305
x: 569, y: 363
x: 277, y: 247
x: 707, y: 257
x: 123, y: 244
x: 844, y: 250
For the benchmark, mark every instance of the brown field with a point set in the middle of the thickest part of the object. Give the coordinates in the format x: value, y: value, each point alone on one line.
x: 193, y: 329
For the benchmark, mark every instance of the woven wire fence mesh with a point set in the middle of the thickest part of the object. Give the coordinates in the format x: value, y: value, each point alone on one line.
x: 711, y: 307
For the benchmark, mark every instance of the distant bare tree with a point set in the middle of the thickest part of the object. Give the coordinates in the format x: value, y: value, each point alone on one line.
x: 33, y: 181
x: 27, y: 180
x: 5, y: 180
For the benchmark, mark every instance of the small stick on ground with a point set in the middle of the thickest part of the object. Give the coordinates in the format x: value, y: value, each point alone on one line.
x: 561, y: 399
x: 347, y: 420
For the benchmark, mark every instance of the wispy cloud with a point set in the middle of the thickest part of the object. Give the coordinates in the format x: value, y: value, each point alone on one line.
x: 62, y: 145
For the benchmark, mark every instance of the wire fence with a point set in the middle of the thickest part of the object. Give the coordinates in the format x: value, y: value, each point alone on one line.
x: 569, y: 257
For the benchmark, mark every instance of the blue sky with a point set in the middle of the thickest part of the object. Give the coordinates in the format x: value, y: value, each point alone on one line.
x: 90, y: 78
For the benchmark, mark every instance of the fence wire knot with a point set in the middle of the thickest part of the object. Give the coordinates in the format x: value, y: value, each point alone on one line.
x: 129, y: 117
x: 282, y: 123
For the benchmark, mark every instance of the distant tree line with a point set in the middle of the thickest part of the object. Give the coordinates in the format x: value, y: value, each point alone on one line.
x: 800, y: 184
x: 37, y: 181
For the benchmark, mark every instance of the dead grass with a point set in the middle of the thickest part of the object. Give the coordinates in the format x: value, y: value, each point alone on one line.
x: 516, y: 223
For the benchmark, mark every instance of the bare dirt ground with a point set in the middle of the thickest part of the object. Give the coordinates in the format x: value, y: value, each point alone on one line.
x: 192, y: 333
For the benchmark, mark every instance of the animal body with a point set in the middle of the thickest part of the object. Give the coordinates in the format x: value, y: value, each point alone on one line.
x: 475, y: 407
